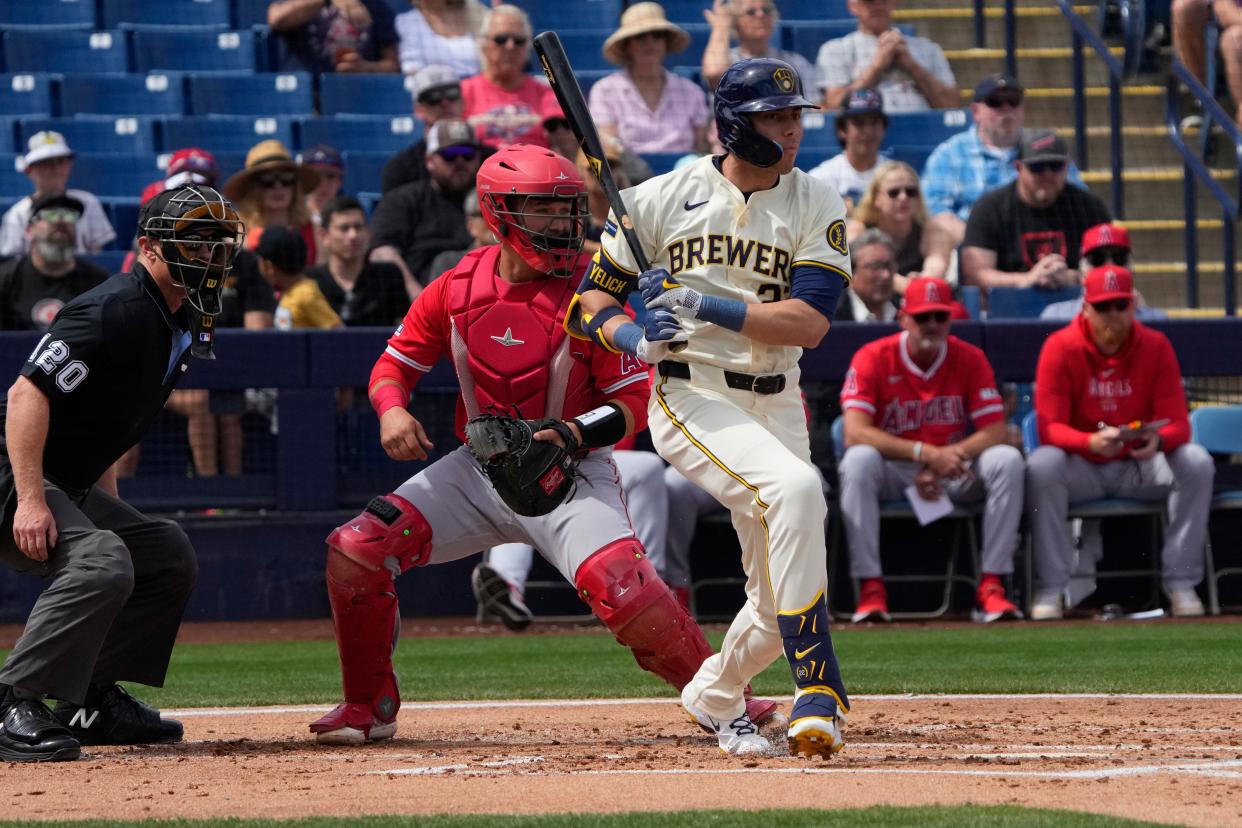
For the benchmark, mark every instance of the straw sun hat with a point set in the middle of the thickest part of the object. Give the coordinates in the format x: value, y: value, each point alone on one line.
x: 641, y: 18
x: 268, y: 156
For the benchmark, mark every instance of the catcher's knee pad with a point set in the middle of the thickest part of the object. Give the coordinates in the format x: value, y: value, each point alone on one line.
x: 389, y: 534
x: 624, y: 591
x: 809, y: 650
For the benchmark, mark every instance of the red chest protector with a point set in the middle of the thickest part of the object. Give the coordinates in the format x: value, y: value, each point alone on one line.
x: 509, y: 347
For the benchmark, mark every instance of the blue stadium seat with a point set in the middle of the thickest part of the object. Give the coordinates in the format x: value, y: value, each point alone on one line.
x: 661, y: 162
x: 588, y: 77
x: 97, y: 133
x: 65, y: 51
x: 13, y: 184
x: 114, y: 175
x: 810, y: 159
x: 1026, y: 303
x: 806, y: 36
x: 813, y: 9
x: 915, y: 156
x: 8, y: 135
x: 251, y: 13
x: 225, y: 133
x: 26, y: 94
x: 45, y: 13
x: 819, y: 133
x: 361, y: 133
x: 925, y: 129
x: 194, y: 51
x: 158, y: 93
x: 682, y: 12
x: 586, y: 14
x: 368, y: 201
x: 583, y: 50
x: 364, y: 94
x: 123, y: 213
x: 287, y: 93
x: 699, y: 34
x: 364, y: 171
x: 167, y: 12
x: 227, y: 163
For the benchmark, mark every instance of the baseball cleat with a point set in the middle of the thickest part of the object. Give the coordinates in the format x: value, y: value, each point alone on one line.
x: 992, y: 605
x: 872, y: 602
x: 117, y: 718
x: 760, y: 710
x: 351, y: 724
x: 815, y: 725
x: 736, y: 737
x: 499, y: 598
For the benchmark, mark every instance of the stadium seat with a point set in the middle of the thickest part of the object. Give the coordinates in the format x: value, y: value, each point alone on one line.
x: 42, y: 13
x: 8, y: 135
x: 227, y: 163
x: 97, y: 133
x: 166, y: 12
x: 341, y: 93
x: 13, y: 184
x: 251, y: 13
x: 194, y: 51
x: 26, y: 94
x: 364, y: 171
x: 813, y: 9
x: 583, y: 50
x: 287, y: 93
x: 123, y: 213
x: 225, y: 133
x: 1026, y: 303
x: 661, y: 162
x: 810, y: 159
x: 682, y: 12
x: 588, y: 77
x: 1219, y: 430
x: 65, y: 51
x: 159, y: 93
x: 819, y: 133
x: 114, y: 175
x: 925, y: 129
x: 602, y: 15
x: 368, y: 200
x: 915, y: 156
x: 361, y: 133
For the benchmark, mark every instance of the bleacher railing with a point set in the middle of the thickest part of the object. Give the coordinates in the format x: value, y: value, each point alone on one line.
x: 1010, y: 27
x: 1194, y: 169
x: 1083, y: 33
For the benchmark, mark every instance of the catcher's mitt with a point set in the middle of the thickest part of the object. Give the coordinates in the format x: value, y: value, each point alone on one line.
x: 531, y: 476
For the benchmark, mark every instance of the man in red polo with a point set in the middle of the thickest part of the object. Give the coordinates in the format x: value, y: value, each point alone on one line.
x: 921, y: 407
x: 1102, y: 371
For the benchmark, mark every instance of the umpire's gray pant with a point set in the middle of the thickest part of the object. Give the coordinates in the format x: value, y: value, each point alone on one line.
x: 1055, y: 479
x: 119, y: 582
x: 867, y: 478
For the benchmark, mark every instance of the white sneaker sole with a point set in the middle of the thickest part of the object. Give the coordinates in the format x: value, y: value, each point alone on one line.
x: 353, y: 736
x: 813, y: 736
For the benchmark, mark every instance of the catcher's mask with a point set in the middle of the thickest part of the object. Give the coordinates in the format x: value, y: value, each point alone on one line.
x: 534, y: 201
x: 197, y: 233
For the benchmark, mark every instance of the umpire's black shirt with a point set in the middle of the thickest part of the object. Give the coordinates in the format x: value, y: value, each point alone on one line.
x: 107, y: 365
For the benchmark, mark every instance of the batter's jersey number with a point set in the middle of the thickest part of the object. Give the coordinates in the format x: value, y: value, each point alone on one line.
x: 772, y: 292
x: 50, y: 357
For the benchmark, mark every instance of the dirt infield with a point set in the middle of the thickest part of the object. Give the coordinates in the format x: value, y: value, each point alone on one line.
x: 1176, y: 759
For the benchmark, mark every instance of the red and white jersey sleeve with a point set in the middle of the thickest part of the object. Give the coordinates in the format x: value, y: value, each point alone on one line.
x: 622, y: 378
x: 420, y: 340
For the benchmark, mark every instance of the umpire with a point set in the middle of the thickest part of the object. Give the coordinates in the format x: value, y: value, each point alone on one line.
x: 118, y: 581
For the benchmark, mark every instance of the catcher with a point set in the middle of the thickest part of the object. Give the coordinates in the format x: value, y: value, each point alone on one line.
x: 548, y: 482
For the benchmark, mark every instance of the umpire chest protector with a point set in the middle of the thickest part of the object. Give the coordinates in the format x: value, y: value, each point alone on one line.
x: 508, y: 344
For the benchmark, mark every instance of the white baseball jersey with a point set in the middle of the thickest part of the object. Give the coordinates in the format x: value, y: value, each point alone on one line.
x: 700, y: 227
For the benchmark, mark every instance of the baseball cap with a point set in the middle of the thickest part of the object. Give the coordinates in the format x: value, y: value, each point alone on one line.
x: 928, y: 294
x: 862, y: 102
x: 44, y: 146
x: 1042, y: 145
x: 432, y: 77
x: 283, y: 247
x: 322, y: 155
x: 1108, y: 282
x: 193, y: 160
x: 450, y: 133
x: 1105, y: 235
x: 996, y: 82
x: 62, y: 200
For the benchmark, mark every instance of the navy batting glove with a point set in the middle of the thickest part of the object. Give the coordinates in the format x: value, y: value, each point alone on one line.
x: 662, y: 325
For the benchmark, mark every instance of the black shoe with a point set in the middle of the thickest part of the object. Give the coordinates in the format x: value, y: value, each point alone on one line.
x: 117, y: 719
x: 495, y: 596
x: 30, y: 733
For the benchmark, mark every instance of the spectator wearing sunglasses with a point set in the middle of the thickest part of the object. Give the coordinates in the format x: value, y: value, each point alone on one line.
x: 271, y: 190
x: 334, y: 35
x: 1104, y: 370
x: 1028, y: 233
x: 1104, y: 244
x: 860, y: 127
x: 440, y: 33
x: 981, y: 158
x: 415, y: 222
x: 328, y: 163
x: 436, y: 93
x: 752, y: 24
x: 645, y: 105
x: 503, y: 104
x: 922, y: 410
x: 911, y: 73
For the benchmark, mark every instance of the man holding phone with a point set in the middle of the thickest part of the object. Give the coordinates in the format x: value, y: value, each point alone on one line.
x: 1098, y: 381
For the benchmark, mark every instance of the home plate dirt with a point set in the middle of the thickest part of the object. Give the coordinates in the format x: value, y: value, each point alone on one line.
x: 1167, y: 758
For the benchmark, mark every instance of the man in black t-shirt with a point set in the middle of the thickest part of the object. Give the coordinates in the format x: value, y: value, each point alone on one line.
x: 1028, y: 233
x: 34, y: 287
x: 362, y: 293
x: 118, y: 581
x: 416, y: 221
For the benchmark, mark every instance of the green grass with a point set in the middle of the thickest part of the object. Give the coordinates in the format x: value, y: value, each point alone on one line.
x: 877, y: 817
x: 1089, y: 658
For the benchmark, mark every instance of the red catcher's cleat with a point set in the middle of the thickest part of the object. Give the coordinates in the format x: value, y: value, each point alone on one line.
x: 351, y: 724
x: 991, y: 603
x: 872, y: 602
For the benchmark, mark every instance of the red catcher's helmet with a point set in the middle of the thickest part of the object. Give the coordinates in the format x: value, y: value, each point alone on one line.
x: 506, y: 184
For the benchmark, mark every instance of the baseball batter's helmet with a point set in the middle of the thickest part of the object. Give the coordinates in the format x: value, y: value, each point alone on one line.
x: 511, y: 185
x: 755, y: 85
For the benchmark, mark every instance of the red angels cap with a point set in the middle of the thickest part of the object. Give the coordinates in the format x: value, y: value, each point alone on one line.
x: 1105, y: 235
x: 926, y: 294
x: 1108, y: 282
x: 192, y: 159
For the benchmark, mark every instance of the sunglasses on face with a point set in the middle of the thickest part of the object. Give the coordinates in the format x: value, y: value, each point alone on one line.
x: 505, y: 39
x: 439, y: 96
x: 1118, y: 305
x: 458, y: 153
x: 939, y: 317
x: 1001, y: 101
x: 764, y: 10
x: 893, y: 192
x: 1109, y: 255
x: 269, y: 181
x: 1040, y: 167
x: 58, y: 215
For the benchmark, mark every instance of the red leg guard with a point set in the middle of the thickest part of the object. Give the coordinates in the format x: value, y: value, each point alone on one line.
x: 624, y: 591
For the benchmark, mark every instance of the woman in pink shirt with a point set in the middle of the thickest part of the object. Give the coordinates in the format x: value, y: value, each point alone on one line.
x: 504, y: 104
x: 648, y: 107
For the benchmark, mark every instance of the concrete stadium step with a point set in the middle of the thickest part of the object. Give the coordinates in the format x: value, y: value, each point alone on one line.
x: 1160, y: 238
x: 1141, y: 105
x: 1047, y: 65
x: 1156, y: 193
x: 1142, y: 146
x: 954, y: 28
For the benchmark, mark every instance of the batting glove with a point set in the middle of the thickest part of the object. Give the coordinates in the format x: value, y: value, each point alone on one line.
x: 661, y: 331
x: 661, y: 290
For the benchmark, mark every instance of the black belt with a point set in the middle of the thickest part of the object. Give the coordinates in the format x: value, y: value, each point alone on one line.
x: 770, y: 384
